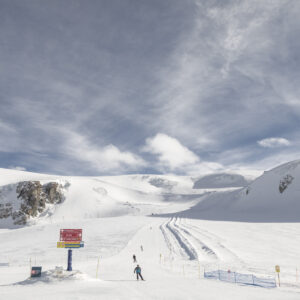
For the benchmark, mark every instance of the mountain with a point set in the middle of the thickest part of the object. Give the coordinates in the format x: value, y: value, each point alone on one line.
x: 27, y: 198
x: 222, y: 180
x: 272, y: 197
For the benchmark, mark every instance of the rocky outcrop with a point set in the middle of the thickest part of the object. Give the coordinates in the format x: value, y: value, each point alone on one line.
x: 285, y: 182
x: 162, y: 183
x: 5, y: 210
x: 32, y: 200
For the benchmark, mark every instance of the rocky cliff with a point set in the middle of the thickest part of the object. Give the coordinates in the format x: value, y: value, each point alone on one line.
x: 28, y: 199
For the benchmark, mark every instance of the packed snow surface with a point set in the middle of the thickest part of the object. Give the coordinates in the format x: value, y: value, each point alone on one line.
x: 160, y: 220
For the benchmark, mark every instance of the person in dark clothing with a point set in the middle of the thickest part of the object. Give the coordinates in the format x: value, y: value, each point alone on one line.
x: 134, y: 258
x: 138, y: 272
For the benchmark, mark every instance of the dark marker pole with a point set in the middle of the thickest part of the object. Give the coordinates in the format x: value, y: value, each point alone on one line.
x: 69, y: 260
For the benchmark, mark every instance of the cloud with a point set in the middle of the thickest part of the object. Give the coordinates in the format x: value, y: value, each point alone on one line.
x: 170, y: 152
x: 274, y: 142
x: 213, y: 69
x: 17, y: 168
x: 172, y: 156
x: 103, y: 159
x: 231, y: 61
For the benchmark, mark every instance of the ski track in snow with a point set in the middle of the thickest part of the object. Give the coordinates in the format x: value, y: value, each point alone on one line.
x: 171, y: 240
x: 201, y: 247
x: 193, y: 243
x: 184, y: 243
x: 180, y: 241
x: 222, y: 252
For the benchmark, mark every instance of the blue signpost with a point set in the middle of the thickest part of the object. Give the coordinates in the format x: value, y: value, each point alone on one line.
x: 70, y: 238
x: 69, y: 260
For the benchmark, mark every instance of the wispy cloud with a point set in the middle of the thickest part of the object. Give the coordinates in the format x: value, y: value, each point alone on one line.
x: 274, y: 142
x: 19, y: 168
x: 213, y: 77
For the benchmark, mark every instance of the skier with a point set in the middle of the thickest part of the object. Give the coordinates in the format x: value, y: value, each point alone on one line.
x: 134, y: 258
x: 142, y: 249
x: 138, y: 272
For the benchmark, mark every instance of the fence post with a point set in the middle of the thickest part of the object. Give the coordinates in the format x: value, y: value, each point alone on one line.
x: 235, y: 277
x: 296, y: 274
x: 30, y: 266
x: 97, y: 267
x: 252, y: 279
x: 219, y: 274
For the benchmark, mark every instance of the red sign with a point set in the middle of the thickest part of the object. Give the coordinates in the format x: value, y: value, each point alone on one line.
x: 71, y: 235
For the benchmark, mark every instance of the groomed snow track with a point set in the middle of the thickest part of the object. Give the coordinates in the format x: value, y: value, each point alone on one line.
x: 193, y: 243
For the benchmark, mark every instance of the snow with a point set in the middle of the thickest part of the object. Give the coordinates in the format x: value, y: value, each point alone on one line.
x: 115, y: 214
x: 261, y: 201
x: 222, y: 180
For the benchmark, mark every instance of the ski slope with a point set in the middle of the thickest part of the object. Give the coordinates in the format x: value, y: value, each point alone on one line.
x: 186, y: 248
x: 118, y: 215
x: 272, y: 197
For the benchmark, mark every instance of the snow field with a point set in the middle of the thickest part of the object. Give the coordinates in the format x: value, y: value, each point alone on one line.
x: 176, y: 249
x: 174, y: 275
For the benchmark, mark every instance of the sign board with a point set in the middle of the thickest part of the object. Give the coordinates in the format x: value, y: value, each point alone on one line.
x: 71, y: 235
x: 70, y: 244
x: 277, y: 269
x: 36, y: 271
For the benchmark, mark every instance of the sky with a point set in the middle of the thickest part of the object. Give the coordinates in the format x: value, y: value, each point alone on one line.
x: 106, y: 87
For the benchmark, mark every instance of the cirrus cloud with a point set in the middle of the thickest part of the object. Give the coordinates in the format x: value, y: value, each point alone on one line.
x: 274, y: 142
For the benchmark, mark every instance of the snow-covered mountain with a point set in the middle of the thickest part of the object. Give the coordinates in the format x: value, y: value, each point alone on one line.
x: 26, y: 198
x: 274, y: 196
x: 222, y: 180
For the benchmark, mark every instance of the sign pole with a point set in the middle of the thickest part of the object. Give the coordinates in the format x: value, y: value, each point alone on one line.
x: 97, y: 267
x: 277, y: 269
x: 70, y: 238
x: 69, y: 260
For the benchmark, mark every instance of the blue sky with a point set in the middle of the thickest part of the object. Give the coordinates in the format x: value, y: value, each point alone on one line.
x: 148, y: 86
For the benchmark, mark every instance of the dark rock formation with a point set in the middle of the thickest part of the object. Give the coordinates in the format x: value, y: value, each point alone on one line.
x: 283, y: 184
x: 162, y: 183
x: 33, y: 197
